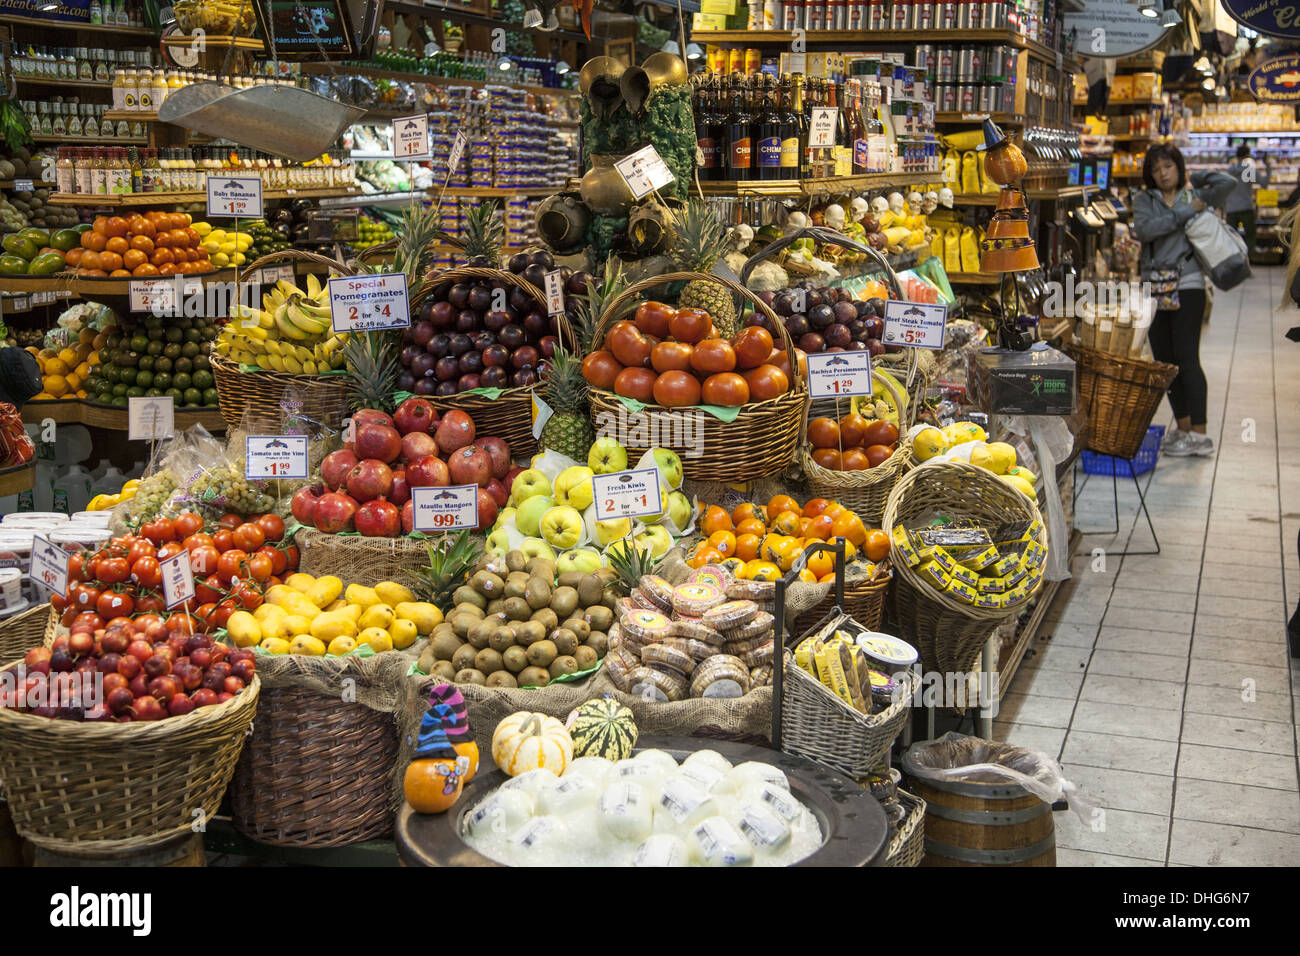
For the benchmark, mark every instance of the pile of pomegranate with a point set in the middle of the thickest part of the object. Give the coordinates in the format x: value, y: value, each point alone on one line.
x: 366, y: 485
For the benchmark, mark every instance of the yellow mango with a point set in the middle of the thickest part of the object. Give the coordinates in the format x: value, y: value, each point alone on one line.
x: 378, y: 639
x: 299, y: 581
x: 325, y: 590
x: 291, y: 624
x: 337, y: 604
x: 341, y: 645
x: 362, y: 595
x: 306, y: 644
x: 332, y: 624
x: 275, y: 645
x: 276, y: 593
x: 352, y: 612
x: 377, y: 615
x: 268, y: 613
x: 403, y: 633
x: 392, y: 593
x: 244, y: 629
x: 423, y: 614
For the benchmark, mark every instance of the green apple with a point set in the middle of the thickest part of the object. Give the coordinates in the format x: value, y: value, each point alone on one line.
x: 607, y: 456
x: 573, y: 487
x: 528, y: 518
x: 498, y: 542
x: 504, y: 517
x: 657, y: 539
x: 679, y: 511
x: 561, y: 526
x: 529, y: 484
x: 611, y: 530
x: 669, y: 464
x: 582, y: 560
x: 536, y: 548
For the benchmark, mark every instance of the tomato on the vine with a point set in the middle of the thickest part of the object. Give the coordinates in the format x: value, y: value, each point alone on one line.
x: 221, y: 612
x: 59, y: 603
x: 272, y: 526
x: 170, y: 550
x: 246, y: 592
x: 278, y: 560
x: 141, y: 548
x: 230, y: 521
x: 249, y: 537
x: 260, y: 566
x: 159, y: 531
x: 200, y: 540
x: 112, y: 570
x: 180, y: 622
x: 230, y: 564
x: 204, y: 612
x: 77, y: 567
x: 149, y: 602
x: 187, y: 523
x: 85, y: 597
x: 69, y: 615
x: 210, y: 588
x: 146, y: 572
x: 291, y: 557
x: 223, y: 540
x: 203, y: 560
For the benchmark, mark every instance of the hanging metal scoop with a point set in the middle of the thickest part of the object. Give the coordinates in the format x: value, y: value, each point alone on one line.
x: 283, y: 120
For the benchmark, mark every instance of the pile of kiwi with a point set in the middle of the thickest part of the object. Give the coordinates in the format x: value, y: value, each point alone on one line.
x: 516, y: 625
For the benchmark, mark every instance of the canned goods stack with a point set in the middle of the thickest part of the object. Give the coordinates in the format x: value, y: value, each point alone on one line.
x: 979, y: 78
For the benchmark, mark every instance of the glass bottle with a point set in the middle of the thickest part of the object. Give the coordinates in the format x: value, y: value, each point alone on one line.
x: 90, y: 126
x: 144, y: 91
x: 63, y: 170
x: 75, y: 127
x: 149, y: 171
x: 98, y: 174
x: 158, y: 89
x: 137, y: 170
x: 739, y: 131
x: 767, y: 128
x: 130, y: 93
x: 59, y: 121
x: 96, y: 12
x: 46, y: 120
x: 791, y: 126
x: 175, y: 81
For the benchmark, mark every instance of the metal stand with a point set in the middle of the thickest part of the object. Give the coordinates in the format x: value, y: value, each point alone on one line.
x: 1114, y: 483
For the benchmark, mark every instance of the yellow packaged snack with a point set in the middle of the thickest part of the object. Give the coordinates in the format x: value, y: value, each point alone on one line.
x: 983, y: 559
x: 961, y: 591
x: 935, y: 575
x: 941, y: 557
x: 1015, y: 575
x: 903, y: 541
x: 987, y: 601
x: 965, y: 575
x: 991, y: 585
x: 804, y: 655
x: 830, y: 671
x: 1004, y: 566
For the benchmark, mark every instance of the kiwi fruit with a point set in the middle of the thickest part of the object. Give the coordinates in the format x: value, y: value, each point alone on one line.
x: 471, y: 676
x: 516, y: 560
x: 534, y: 677
x: 488, y: 661
x: 480, y: 633
x: 426, y: 661
x: 461, y: 623
x: 597, y: 641
x: 599, y: 617
x: 443, y: 646
x: 570, y: 579
x: 515, y: 659
x: 487, y: 584
x: 500, y: 639
x: 542, y: 653
x: 537, y: 593
x: 497, y: 606
x: 517, y: 584
x: 517, y: 609
x: 563, y: 665
x: 473, y: 610
x: 565, y: 641
x: 586, y: 657
x: 564, y: 601
x: 591, y: 590
x: 530, y: 632
x: 502, y: 679
x: 541, y: 568
x: 578, y: 626
x: 463, y: 658
x: 548, y: 618
x: 444, y: 670
x: 467, y: 595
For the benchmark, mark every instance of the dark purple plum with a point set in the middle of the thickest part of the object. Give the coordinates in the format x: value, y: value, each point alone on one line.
x: 577, y: 284
x: 524, y: 377
x: 811, y: 342
x: 845, y: 311
x: 496, y: 321
x: 875, y: 327
x: 494, y: 376
x: 838, y: 335
x: 447, y: 369
x: 520, y: 301
x: 426, y: 386
x: 543, y: 259
x: 480, y: 298
x: 482, y: 340
x: 445, y: 388
x: 423, y: 365
x: 783, y: 304
x: 547, y: 345
x: 406, y: 381
x: 536, y: 324
x: 797, y: 325
x: 525, y: 357
x: 460, y: 343
x: 875, y: 346
x: 820, y: 316
x: 518, y: 262
x: 409, y: 353
x: 496, y: 355
x: 458, y: 296
x: 467, y: 381
x: 471, y: 362
x: 439, y: 345
x: 512, y: 336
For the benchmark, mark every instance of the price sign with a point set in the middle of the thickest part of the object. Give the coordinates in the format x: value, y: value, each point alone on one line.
x: 24, y: 186
x: 238, y: 196
x: 20, y: 303
x: 411, y: 137
x: 457, y: 150
x: 276, y: 456
x: 368, y: 303
x: 150, y: 418
x: 554, y: 293
x: 153, y: 295
x: 917, y: 324
x: 49, y: 566
x: 177, y: 579
x: 270, y: 275
x: 644, y: 171
x: 839, y: 374
x: 445, y: 509
x: 822, y: 130
x: 627, y: 494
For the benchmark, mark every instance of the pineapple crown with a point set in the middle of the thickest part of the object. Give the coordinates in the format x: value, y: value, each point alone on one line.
x: 417, y: 233
x: 482, y: 233
x: 372, y: 369
x: 699, y: 237
x: 449, y: 565
x: 632, y: 562
x: 566, y: 389
x: 600, y: 293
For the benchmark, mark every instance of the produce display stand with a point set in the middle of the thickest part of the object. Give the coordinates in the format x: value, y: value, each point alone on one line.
x: 20, y: 633
x: 17, y: 478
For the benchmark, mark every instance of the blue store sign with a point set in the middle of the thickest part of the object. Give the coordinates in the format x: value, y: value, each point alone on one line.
x: 1277, y: 80
x: 1274, y: 18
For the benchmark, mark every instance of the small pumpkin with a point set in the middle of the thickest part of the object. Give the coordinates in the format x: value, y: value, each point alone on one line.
x: 434, y: 785
x: 528, y: 741
x: 468, y: 750
x: 603, y: 728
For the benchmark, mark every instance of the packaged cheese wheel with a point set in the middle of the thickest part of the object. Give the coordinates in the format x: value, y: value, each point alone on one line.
x: 572, y: 796
x: 532, y: 783
x: 731, y: 614
x: 662, y: 849
x: 698, y: 650
x: 623, y: 607
x: 714, y: 574
x: 721, y: 675
x: 715, y: 841
x: 751, y: 591
x: 682, y: 802
x: 619, y: 664
x: 659, y: 591
x: 501, y: 813
x: 760, y: 676
x: 695, y: 629
x: 707, y: 758
x: 754, y: 772
x: 762, y: 623
x: 737, y: 648
x: 656, y: 685
x: 625, y: 811
x: 657, y: 758
x: 642, y: 600
x: 648, y: 773
x: 694, y: 600
x: 595, y: 769
x: 776, y: 798
x: 646, y: 626
x: 767, y: 831
x: 663, y: 656
x: 759, y: 655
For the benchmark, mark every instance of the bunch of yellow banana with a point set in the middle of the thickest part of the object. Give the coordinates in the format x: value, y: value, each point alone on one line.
x: 290, y: 333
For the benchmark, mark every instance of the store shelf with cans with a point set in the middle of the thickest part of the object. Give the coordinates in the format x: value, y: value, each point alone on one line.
x: 176, y: 198
x: 335, y: 69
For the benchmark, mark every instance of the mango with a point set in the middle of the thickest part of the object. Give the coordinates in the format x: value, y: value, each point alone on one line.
x: 299, y: 605
x: 378, y: 639
x: 341, y: 645
x: 352, y: 612
x: 423, y: 614
x: 403, y: 633
x: 337, y: 604
x: 275, y: 645
x: 269, y: 613
x: 244, y: 629
x: 331, y: 624
x: 377, y: 615
x: 325, y: 590
x: 306, y: 644
x: 362, y: 595
x: 299, y: 581
x: 393, y: 594
x: 291, y: 624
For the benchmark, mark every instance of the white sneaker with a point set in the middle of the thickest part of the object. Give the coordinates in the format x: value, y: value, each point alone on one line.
x: 1200, y: 445
x: 1170, y: 434
x: 1179, y: 446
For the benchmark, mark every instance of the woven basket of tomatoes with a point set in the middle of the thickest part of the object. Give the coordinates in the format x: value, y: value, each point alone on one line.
x: 667, y: 361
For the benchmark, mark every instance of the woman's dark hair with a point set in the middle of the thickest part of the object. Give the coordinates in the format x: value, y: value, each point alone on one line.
x: 1156, y: 153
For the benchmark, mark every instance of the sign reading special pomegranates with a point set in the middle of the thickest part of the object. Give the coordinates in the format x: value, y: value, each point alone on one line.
x: 369, y: 303
x: 452, y: 508
x: 276, y: 456
x: 177, y: 579
x: 627, y: 494
x: 839, y: 374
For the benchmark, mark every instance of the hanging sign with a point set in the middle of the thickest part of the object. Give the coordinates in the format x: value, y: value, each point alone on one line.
x: 1276, y: 80
x: 1274, y: 18
x: 411, y: 137
x: 839, y: 374
x: 1110, y: 29
x: 49, y: 565
x: 150, y: 418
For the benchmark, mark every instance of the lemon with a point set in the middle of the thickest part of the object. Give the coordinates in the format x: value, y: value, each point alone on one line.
x: 928, y: 443
x: 1022, y: 486
x: 403, y: 633
x: 959, y: 432
x: 981, y: 457
x: 1004, y: 457
x: 220, y: 260
x: 202, y: 228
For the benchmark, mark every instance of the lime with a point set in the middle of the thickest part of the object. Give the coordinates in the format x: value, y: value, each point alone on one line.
x: 162, y: 380
x: 190, y: 349
x: 139, y: 343
x: 182, y: 380
x: 163, y: 364
x: 146, y: 363
x: 144, y: 378
x: 203, y: 379
x: 193, y: 396
x: 152, y: 392
x: 173, y: 351
x: 210, y: 397
x: 135, y: 391
x: 155, y: 348
x: 182, y: 364
x: 176, y: 394
x: 120, y: 401
x: 175, y: 334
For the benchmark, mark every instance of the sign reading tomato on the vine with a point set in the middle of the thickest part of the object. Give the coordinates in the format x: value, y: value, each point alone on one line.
x: 839, y: 374
x: 369, y: 303
x: 454, y: 508
x: 919, y: 325
x: 49, y: 566
x: 276, y: 456
x: 627, y: 494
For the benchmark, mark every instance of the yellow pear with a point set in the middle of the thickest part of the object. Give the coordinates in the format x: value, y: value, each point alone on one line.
x: 378, y: 639
x: 424, y: 615
x: 362, y: 595
x: 308, y: 645
x: 403, y: 633
x: 393, y: 594
x: 377, y: 615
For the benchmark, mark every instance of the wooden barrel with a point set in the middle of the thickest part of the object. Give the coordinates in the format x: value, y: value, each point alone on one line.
x: 183, y: 851
x: 985, y: 824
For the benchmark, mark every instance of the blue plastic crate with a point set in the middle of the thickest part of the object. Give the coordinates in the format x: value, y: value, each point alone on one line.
x: 1143, y: 461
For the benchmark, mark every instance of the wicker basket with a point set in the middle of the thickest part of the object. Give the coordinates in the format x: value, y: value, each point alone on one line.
x: 907, y: 847
x: 510, y: 415
x: 948, y: 633
x: 119, y: 787
x: 864, y: 601
x: 1121, y: 396
x: 760, y: 441
x: 22, y: 632
x: 316, y: 772
x: 358, y: 558
x: 325, y: 398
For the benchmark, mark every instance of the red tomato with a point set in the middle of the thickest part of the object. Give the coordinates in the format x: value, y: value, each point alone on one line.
x: 147, y: 573
x: 199, y: 540
x: 713, y: 356
x: 159, y: 531
x: 141, y: 548
x: 637, y: 383
x: 170, y: 550
x: 59, y: 603
x: 115, y: 604
x: 69, y: 615
x: 203, y: 560
x: 261, y: 566
x: 223, y: 540
x: 247, y: 592
x: 85, y: 598
x: 291, y: 558
x: 141, y: 622
x: 221, y: 613
x: 77, y: 567
x: 230, y: 521
x: 120, y: 545
x: 204, y: 613
x: 149, y: 602
x: 249, y: 537
x: 278, y: 561
x: 186, y: 524
x: 689, y: 325
x: 180, y: 622
x: 209, y: 589
x: 272, y: 526
x: 112, y: 570
x: 230, y: 564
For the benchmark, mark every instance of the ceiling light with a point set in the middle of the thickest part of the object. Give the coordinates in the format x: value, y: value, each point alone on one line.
x: 561, y: 68
x: 1208, y: 83
x: 671, y: 47
x: 1170, y: 18
x: 694, y: 51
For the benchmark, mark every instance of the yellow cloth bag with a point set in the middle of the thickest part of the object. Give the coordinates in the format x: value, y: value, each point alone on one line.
x: 952, y: 169
x: 970, y: 251
x: 936, y: 244
x: 952, y: 251
x: 970, y: 173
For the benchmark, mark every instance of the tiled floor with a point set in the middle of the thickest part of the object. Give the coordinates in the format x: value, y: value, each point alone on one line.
x: 1163, y: 683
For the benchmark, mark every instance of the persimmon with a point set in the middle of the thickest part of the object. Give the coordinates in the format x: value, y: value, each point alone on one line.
x: 94, y: 241
x: 715, y: 519
x: 876, y: 545
x: 779, y: 504
x: 117, y: 244
x: 766, y: 382
x: 824, y: 433
x: 752, y: 344
x: 676, y: 389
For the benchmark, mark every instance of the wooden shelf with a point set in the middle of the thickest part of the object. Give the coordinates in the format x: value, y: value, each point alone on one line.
x: 961, y: 116
x: 329, y: 69
x: 975, y: 199
x: 974, y: 278
x: 90, y: 140
x: 217, y: 42
x: 18, y: 478
x: 76, y: 410
x: 170, y: 198
x: 42, y: 23
x: 144, y: 116
x: 788, y: 187
x: 84, y: 286
x: 105, y: 85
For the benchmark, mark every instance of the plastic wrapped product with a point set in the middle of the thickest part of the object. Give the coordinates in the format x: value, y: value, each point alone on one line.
x: 934, y: 575
x: 619, y: 664
x: 707, y: 758
x: 738, y: 647
x: 659, y: 591
x: 625, y: 812
x: 760, y: 676
x: 595, y: 769
x: 757, y: 591
x: 940, y: 556
x: 780, y: 801
x: 903, y: 542
x: 889, y: 653
x: 532, y: 783
x: 715, y: 841
x: 542, y: 841
x: 982, y: 559
x: 696, y: 629
x: 656, y: 685
x: 991, y: 585
x: 762, y: 623
x: 693, y: 600
x: 698, y: 650
x: 657, y: 758
x: 503, y: 812
x: 646, y: 626
x: 665, y: 657
x: 662, y: 849
x: 1004, y: 565
x: 961, y: 591
x: 642, y: 600
x: 682, y: 802
x: 571, y: 798
x: 730, y: 615
x: 650, y: 774
x: 965, y: 575
x: 760, y: 655
x: 714, y: 574
x: 720, y: 676
x: 763, y: 827
x: 752, y: 773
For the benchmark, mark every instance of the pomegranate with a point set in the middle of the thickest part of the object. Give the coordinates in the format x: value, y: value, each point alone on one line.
x: 401, y: 492
x: 370, y: 416
x: 418, y: 445
x: 378, y: 441
x: 334, y: 469
x: 470, y: 465
x: 304, y: 502
x: 499, y: 451
x: 415, y: 415
x: 509, y: 479
x: 456, y: 430
x: 379, y: 519
x: 498, y: 492
x: 334, y: 512
x: 487, y: 510
x: 370, y: 479
x: 427, y: 472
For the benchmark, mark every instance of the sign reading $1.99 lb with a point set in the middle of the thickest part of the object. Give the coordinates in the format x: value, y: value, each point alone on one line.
x: 454, y: 508
x: 369, y: 303
x: 839, y: 374
x: 276, y: 456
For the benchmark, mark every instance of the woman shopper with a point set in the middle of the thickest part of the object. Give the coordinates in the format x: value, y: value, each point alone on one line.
x: 1160, y: 215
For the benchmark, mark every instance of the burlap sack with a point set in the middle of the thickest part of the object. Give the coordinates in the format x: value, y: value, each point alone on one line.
x: 358, y: 558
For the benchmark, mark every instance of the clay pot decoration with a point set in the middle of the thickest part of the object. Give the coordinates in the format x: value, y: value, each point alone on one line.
x: 563, y: 221
x: 604, y: 190
x: 659, y: 70
x: 599, y: 83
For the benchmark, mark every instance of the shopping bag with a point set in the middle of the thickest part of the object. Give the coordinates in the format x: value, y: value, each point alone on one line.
x: 1219, y: 249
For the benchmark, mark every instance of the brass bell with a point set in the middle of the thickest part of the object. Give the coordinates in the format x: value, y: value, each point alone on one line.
x: 658, y: 71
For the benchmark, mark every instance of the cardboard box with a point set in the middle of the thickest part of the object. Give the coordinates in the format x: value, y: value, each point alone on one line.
x: 1040, y: 381
x: 1121, y: 90
x: 724, y: 7
x: 1146, y: 86
x: 709, y: 21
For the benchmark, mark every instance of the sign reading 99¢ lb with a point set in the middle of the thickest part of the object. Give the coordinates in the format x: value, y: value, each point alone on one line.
x: 454, y: 508
x: 839, y: 374
x: 627, y: 494
x: 369, y: 303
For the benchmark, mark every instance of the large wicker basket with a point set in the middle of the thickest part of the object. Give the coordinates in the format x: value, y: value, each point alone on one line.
x: 864, y: 601
x: 948, y: 633
x: 760, y: 441
x: 22, y: 632
x: 119, y: 787
x: 1121, y: 396
x: 907, y: 846
x: 510, y: 415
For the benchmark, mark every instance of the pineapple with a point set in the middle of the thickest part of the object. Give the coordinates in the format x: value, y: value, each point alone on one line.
x: 449, y: 566
x: 372, y: 368
x: 700, y: 244
x: 568, y: 431
x: 481, y: 237
x: 632, y: 562
x: 418, y: 232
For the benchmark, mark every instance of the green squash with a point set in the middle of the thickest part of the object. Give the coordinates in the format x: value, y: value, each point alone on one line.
x: 12, y: 265
x: 46, y: 264
x: 603, y: 728
x: 65, y: 239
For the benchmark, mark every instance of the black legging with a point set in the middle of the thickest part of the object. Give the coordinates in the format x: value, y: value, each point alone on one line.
x: 1176, y: 338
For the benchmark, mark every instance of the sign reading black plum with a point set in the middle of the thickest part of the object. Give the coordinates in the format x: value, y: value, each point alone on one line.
x: 305, y: 28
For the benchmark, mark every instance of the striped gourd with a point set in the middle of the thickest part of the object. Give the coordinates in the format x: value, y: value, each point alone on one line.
x: 603, y: 728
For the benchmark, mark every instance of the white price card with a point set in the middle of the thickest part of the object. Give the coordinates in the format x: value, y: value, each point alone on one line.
x: 822, y: 130
x: 644, y: 171
x: 838, y: 374
x: 627, y: 494
x: 453, y: 508
x: 20, y: 303
x: 24, y: 186
x: 150, y: 418
x: 554, y: 292
x: 270, y: 275
x: 457, y: 150
x: 367, y: 303
x: 153, y: 295
x: 49, y: 566
x: 918, y: 324
x: 177, y: 579
x: 276, y: 456
x: 238, y: 196
x: 411, y: 137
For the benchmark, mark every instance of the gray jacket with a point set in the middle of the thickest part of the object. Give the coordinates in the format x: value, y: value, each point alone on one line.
x: 1242, y: 197
x: 1160, y: 228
